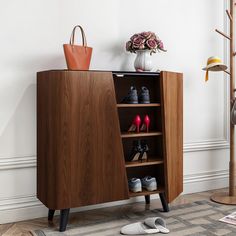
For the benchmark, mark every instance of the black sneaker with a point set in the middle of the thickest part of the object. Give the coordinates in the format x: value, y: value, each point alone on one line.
x: 144, y: 96
x: 132, y: 97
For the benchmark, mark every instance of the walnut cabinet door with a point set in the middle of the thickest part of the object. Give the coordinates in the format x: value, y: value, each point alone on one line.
x: 80, y: 156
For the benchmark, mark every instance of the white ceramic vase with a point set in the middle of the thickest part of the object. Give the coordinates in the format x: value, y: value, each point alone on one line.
x: 143, y: 61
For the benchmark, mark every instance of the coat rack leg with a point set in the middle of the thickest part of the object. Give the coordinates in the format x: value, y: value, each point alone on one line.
x: 230, y: 197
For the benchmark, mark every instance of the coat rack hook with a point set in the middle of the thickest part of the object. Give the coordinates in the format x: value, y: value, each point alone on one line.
x: 223, y: 34
x: 229, y: 15
x: 227, y: 72
x: 234, y: 54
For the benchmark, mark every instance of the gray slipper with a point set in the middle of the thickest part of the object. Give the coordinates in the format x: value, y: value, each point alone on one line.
x: 157, y: 223
x: 138, y: 229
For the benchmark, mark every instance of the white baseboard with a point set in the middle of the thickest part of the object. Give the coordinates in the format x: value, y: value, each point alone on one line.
x: 28, y: 207
x: 206, y: 181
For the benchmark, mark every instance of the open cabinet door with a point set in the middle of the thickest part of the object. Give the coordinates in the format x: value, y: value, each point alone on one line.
x: 172, y: 116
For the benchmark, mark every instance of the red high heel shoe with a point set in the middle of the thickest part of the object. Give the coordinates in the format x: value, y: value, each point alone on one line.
x: 146, y: 124
x: 135, y: 125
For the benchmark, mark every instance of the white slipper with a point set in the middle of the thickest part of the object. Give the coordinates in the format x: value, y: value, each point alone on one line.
x: 157, y: 223
x: 137, y: 229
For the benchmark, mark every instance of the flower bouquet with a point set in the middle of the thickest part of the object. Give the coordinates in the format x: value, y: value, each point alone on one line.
x: 145, y: 41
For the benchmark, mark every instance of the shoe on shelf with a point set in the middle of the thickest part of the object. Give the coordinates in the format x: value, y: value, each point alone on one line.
x: 146, y: 124
x: 144, y: 96
x: 135, y: 124
x: 132, y: 97
x: 135, y: 185
x: 149, y: 183
x: 145, y: 149
x: 136, y: 151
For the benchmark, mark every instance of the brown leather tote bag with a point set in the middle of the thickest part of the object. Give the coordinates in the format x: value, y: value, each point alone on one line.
x: 78, y: 57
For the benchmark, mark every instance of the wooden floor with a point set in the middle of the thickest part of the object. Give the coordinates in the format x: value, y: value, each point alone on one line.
x: 23, y: 228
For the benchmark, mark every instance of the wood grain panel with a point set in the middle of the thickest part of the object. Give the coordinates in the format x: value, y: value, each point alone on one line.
x: 172, y: 112
x: 80, y: 155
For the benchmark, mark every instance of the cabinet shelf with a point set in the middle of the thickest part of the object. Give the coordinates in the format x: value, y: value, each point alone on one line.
x: 149, y: 162
x: 141, y: 134
x: 145, y: 192
x: 120, y: 105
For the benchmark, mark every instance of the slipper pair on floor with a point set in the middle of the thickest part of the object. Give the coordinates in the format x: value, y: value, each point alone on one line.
x: 151, y: 225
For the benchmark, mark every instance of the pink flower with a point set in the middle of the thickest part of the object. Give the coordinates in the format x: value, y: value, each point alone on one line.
x: 161, y: 45
x: 151, y: 43
x: 147, y: 35
x: 138, y: 42
x: 134, y: 36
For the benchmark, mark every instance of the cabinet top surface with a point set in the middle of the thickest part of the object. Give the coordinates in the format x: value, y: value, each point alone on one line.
x: 115, y: 73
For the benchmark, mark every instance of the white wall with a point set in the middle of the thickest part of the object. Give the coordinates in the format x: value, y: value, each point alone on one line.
x: 32, y: 34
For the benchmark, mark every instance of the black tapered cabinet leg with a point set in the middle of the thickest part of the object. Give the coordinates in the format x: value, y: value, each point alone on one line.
x: 164, y: 202
x: 50, y: 214
x: 147, y: 199
x: 64, y: 215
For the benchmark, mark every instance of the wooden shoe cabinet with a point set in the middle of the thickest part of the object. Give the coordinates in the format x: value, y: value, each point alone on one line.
x: 83, y: 143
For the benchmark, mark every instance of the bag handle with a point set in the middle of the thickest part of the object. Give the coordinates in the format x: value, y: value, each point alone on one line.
x: 72, y: 37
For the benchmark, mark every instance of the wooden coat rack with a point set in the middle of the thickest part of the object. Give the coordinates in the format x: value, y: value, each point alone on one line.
x: 230, y: 197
